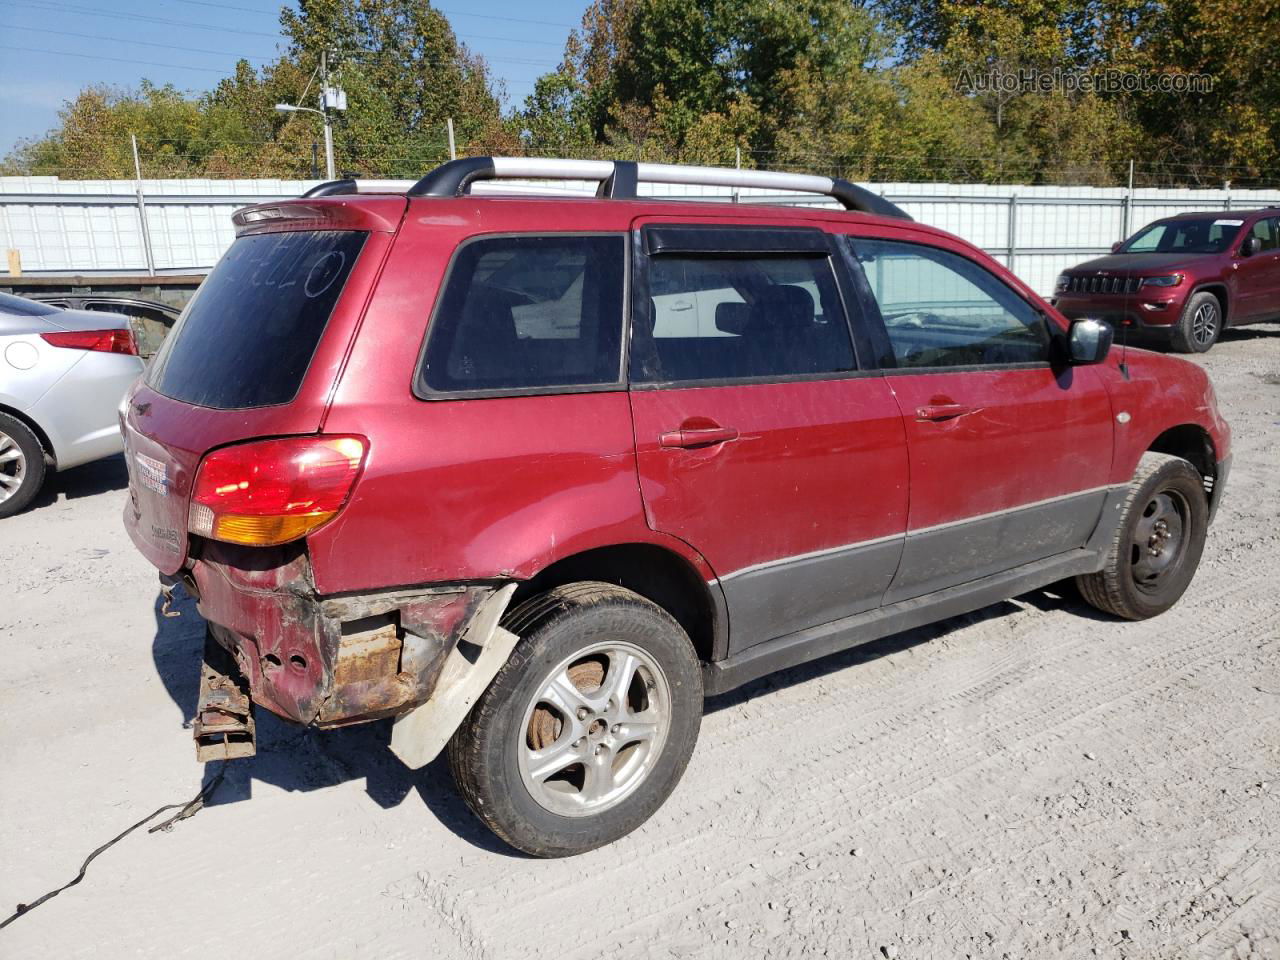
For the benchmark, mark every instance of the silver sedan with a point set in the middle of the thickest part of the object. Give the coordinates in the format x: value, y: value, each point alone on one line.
x: 63, y: 374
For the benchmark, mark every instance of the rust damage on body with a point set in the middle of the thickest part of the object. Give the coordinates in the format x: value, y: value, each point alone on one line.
x: 327, y: 661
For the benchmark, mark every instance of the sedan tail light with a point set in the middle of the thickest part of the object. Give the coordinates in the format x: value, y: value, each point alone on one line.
x: 270, y: 492
x: 104, y: 341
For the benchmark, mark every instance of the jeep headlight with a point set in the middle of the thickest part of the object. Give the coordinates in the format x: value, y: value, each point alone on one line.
x: 1064, y: 281
x: 1171, y: 280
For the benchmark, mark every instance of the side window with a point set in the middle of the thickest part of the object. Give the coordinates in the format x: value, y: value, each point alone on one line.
x: 943, y: 310
x: 1265, y: 230
x: 528, y: 312
x: 739, y: 317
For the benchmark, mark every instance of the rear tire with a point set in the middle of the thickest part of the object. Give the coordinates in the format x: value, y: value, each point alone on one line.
x: 587, y: 727
x: 22, y: 468
x: 1200, y: 325
x: 1157, y: 544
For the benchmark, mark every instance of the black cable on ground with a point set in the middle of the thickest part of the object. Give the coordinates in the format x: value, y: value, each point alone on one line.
x: 185, y: 810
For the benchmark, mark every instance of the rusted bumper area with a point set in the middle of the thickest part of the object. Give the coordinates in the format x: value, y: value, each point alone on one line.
x: 327, y: 661
x: 223, y: 728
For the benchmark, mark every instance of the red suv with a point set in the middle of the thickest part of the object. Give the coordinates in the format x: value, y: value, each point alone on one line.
x: 1184, y: 279
x: 533, y: 476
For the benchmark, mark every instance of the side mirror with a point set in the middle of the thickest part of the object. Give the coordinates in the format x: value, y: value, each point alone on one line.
x: 732, y: 317
x: 1252, y: 244
x: 1089, y: 341
x: 1115, y: 247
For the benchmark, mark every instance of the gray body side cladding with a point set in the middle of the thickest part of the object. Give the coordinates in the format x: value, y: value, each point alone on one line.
x: 819, y: 641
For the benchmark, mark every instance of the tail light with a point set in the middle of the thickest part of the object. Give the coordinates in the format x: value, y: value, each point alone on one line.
x: 103, y: 341
x: 270, y: 492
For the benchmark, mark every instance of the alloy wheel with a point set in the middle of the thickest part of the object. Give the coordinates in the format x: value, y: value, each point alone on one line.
x: 1204, y: 325
x: 595, y: 729
x: 13, y: 467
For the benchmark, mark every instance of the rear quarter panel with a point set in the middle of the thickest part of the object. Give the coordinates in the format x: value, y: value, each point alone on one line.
x: 79, y: 412
x: 28, y: 365
x: 473, y: 489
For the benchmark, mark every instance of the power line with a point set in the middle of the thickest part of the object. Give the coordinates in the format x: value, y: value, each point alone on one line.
x: 143, y: 18
x: 452, y: 13
x: 142, y: 43
x: 490, y: 16
x: 137, y: 17
x: 145, y: 63
x: 241, y: 56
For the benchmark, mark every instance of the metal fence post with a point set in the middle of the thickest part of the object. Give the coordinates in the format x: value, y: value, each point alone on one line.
x: 1126, y: 214
x: 1013, y: 230
x: 142, y: 210
x: 1226, y: 188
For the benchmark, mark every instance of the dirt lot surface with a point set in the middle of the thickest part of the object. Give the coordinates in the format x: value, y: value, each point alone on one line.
x: 1032, y: 780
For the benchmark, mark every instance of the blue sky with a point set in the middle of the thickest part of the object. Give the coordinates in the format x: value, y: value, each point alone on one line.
x: 50, y: 49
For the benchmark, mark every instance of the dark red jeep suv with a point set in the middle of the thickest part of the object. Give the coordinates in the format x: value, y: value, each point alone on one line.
x: 1184, y: 279
x: 534, y: 475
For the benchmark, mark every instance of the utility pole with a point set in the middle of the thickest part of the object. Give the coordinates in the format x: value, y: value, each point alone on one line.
x: 330, y: 99
x: 453, y: 150
x: 324, y: 109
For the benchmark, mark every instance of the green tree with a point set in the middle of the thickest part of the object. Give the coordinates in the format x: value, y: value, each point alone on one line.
x: 405, y: 74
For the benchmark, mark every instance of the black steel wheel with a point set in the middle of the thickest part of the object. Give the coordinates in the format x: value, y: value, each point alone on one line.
x: 1158, y: 542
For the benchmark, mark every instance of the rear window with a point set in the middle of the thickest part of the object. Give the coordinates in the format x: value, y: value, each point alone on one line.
x: 247, y: 337
x: 529, y: 313
x: 24, y: 307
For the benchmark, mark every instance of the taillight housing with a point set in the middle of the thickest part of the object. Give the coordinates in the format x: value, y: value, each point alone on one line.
x: 269, y: 492
x: 103, y: 341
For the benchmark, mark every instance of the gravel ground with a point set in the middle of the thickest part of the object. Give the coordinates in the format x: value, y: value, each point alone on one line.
x: 1031, y: 780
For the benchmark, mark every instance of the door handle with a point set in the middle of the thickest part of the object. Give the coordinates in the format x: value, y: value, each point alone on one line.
x: 937, y: 412
x: 698, y: 437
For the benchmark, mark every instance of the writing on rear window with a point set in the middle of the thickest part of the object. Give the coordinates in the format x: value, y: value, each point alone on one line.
x: 247, y: 338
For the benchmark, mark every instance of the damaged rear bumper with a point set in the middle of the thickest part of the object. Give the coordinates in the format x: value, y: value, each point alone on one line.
x: 327, y: 661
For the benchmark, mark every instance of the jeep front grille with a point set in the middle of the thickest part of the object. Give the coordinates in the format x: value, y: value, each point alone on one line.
x: 1104, y: 284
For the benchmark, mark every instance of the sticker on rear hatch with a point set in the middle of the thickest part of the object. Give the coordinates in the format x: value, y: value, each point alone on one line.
x: 1228, y: 223
x: 152, y: 474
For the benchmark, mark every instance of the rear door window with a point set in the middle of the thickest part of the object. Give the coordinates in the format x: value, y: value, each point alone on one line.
x: 248, y: 336
x: 740, y: 317
x: 528, y: 313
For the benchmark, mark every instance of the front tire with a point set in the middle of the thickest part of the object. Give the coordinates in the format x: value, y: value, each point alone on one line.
x: 588, y: 726
x: 1200, y: 324
x: 22, y: 467
x: 1158, y: 543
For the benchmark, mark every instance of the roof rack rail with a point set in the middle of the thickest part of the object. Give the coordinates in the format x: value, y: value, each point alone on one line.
x: 618, y: 179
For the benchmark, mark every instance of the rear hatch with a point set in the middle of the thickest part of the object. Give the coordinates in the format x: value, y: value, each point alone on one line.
x: 255, y: 354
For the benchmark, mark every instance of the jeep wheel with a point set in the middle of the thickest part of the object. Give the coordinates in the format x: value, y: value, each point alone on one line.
x: 587, y: 727
x: 21, y: 465
x: 1158, y: 543
x: 1200, y: 324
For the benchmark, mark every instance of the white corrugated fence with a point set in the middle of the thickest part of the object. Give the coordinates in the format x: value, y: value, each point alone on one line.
x: 97, y: 226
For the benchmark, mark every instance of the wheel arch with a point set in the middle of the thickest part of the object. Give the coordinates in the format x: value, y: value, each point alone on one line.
x: 35, y: 428
x: 1219, y: 290
x: 656, y: 573
x: 1192, y: 443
